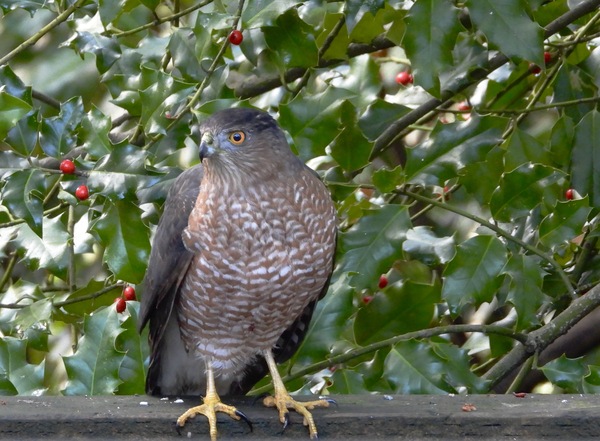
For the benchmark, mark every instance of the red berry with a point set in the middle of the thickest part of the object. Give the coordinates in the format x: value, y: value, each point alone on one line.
x: 120, y: 305
x: 67, y: 167
x: 569, y: 194
x: 464, y: 106
x: 404, y: 78
x: 547, y: 57
x: 82, y: 192
x: 534, y: 68
x: 236, y: 37
x: 367, y: 299
x: 129, y: 293
x: 383, y: 281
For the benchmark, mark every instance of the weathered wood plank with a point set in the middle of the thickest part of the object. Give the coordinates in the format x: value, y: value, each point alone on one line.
x: 365, y: 417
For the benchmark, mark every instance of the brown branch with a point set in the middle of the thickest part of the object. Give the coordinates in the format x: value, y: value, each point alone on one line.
x: 253, y: 85
x: 541, y: 338
x: 424, y: 333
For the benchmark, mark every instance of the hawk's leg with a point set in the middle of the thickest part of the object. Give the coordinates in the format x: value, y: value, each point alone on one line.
x: 283, y: 401
x: 211, y: 404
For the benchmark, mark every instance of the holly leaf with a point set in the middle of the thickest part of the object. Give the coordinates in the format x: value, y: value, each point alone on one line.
x: 48, y: 251
x: 135, y: 347
x: 23, y: 193
x: 125, y: 238
x: 371, y: 245
x: 525, y: 288
x: 400, y: 308
x: 12, y: 109
x: 450, y: 147
x: 292, y: 40
x: 507, y: 27
x: 566, y: 373
x: 94, y: 368
x: 350, y: 148
x: 17, y: 376
x: 356, y: 9
x: 313, y: 121
x: 431, y: 31
x: 58, y: 134
x: 585, y: 161
x: 474, y: 274
x: 522, y: 189
x: 564, y: 223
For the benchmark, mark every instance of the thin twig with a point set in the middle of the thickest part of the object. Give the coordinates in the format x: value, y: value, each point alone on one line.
x: 71, y: 249
x: 8, y: 271
x: 38, y: 35
x: 158, y: 21
x: 424, y: 333
x: 88, y: 296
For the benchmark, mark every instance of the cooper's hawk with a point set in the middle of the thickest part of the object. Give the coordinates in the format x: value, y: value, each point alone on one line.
x: 242, y: 253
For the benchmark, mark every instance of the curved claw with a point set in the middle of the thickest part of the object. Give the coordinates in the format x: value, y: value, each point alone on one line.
x: 178, y: 429
x: 243, y: 416
x: 286, y: 422
x: 330, y: 401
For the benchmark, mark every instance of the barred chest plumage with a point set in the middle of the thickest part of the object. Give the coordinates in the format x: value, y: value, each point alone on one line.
x: 254, y: 273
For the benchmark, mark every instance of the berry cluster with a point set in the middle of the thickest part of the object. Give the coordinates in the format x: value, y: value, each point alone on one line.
x: 121, y: 302
x: 67, y: 167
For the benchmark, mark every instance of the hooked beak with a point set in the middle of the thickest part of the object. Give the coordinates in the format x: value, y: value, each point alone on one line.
x: 207, y: 146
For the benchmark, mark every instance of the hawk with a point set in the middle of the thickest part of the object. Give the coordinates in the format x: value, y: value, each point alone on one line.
x: 242, y: 253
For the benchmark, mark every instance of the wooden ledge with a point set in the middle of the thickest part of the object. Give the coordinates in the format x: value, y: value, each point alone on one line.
x: 364, y: 417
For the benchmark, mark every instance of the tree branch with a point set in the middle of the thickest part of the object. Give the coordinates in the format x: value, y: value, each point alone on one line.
x: 424, y: 333
x: 541, y: 338
x: 253, y: 85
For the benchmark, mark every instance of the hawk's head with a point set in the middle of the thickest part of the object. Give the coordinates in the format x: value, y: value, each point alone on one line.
x: 240, y: 141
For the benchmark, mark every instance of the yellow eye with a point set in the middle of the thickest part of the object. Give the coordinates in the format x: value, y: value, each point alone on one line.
x: 237, y: 137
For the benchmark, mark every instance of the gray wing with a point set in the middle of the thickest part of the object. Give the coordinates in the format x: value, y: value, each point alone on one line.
x: 169, y: 262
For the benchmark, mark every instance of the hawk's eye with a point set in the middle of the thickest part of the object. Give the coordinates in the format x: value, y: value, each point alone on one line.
x: 237, y: 137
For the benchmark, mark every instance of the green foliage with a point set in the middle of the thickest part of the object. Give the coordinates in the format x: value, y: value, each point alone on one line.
x: 452, y: 187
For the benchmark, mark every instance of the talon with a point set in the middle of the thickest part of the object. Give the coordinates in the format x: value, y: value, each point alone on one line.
x: 286, y: 422
x: 331, y: 401
x: 243, y: 416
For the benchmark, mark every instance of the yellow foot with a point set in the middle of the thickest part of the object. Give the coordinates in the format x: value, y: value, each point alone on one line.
x: 284, y: 401
x: 209, y: 408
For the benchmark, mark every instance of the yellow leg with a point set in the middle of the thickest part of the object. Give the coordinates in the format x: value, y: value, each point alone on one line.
x: 283, y: 401
x: 211, y: 404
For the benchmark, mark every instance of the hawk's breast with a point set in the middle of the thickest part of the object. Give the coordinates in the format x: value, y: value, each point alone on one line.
x: 261, y: 255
